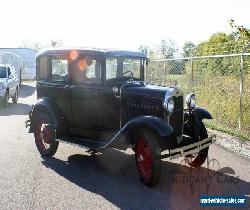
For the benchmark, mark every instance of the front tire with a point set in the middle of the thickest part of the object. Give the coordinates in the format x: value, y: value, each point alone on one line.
x: 148, y: 158
x: 15, y: 97
x: 45, y: 136
x: 200, y: 158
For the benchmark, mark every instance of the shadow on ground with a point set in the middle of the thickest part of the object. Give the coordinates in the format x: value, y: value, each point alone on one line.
x: 26, y: 90
x: 15, y: 109
x: 113, y: 176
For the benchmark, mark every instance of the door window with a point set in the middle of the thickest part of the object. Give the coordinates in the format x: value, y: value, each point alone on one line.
x: 88, y: 70
x: 59, y: 69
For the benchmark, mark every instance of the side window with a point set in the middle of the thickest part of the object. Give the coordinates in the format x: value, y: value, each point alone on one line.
x: 43, y: 68
x: 88, y: 70
x: 59, y: 69
x: 111, y: 68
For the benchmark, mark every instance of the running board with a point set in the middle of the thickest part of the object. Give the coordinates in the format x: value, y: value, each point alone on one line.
x: 87, y: 144
x: 189, y: 149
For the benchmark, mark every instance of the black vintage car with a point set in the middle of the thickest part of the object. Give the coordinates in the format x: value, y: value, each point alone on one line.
x: 98, y: 99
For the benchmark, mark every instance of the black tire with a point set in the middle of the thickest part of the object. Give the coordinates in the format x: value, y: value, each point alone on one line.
x: 148, y: 157
x: 46, y: 144
x: 6, y: 99
x: 15, y: 97
x: 201, y: 157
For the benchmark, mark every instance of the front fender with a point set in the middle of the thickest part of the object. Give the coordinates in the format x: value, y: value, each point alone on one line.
x: 45, y: 105
x: 157, y: 125
x: 201, y: 113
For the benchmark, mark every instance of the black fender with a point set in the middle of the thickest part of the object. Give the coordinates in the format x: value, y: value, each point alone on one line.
x: 161, y: 128
x: 201, y: 113
x: 45, y: 105
x: 193, y: 124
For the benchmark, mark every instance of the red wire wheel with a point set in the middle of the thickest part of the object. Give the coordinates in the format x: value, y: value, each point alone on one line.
x: 147, y: 154
x: 45, y: 136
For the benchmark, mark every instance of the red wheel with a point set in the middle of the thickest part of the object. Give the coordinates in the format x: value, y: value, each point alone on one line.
x: 147, y: 154
x: 45, y: 136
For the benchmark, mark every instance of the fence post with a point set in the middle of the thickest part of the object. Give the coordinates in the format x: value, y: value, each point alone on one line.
x: 241, y: 92
x: 192, y: 75
x: 241, y: 98
x: 164, y: 77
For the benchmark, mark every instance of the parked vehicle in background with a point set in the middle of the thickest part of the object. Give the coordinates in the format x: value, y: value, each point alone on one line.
x: 9, y: 84
x: 98, y: 99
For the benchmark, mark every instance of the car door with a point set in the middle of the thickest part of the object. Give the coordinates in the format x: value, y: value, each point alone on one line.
x: 55, y: 83
x: 87, y: 100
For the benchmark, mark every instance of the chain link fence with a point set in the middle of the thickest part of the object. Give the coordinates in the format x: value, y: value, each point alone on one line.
x: 219, y: 84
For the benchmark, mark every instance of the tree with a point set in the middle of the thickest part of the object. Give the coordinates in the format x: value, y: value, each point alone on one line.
x: 144, y: 49
x: 167, y: 48
x: 188, y: 49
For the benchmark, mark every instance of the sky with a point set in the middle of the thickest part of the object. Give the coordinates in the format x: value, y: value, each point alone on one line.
x: 117, y: 24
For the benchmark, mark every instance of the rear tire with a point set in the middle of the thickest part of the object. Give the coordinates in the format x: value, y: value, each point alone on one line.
x: 45, y: 136
x: 15, y: 97
x: 201, y: 157
x: 148, y: 158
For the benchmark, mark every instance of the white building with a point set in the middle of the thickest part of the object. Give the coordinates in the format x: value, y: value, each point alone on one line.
x: 24, y: 60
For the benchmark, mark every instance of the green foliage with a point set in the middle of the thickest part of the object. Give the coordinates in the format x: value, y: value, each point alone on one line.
x: 188, y: 49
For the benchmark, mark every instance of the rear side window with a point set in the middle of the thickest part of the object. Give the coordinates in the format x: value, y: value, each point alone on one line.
x: 43, y: 68
x: 59, y: 69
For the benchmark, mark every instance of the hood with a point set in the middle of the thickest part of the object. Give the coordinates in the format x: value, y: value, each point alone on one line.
x: 150, y: 92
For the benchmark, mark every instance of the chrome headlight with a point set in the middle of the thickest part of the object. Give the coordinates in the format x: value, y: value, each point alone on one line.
x: 168, y: 104
x: 2, y: 86
x: 190, y: 100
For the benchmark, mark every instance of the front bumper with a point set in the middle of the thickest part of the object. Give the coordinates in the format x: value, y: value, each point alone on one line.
x: 189, y: 149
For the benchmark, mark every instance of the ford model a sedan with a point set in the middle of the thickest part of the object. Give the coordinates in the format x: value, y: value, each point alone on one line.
x: 98, y: 99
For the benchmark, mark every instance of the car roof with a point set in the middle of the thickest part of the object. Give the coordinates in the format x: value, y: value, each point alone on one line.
x: 94, y: 51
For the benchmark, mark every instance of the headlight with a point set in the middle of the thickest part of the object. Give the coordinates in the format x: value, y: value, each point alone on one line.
x: 2, y: 86
x: 168, y: 104
x: 190, y: 100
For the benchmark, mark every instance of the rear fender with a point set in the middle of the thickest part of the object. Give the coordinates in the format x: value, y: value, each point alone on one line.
x: 45, y: 105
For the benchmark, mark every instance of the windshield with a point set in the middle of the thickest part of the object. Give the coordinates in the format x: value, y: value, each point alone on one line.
x: 117, y: 68
x: 3, y: 73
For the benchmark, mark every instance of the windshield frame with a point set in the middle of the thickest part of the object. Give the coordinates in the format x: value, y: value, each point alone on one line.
x: 142, y: 63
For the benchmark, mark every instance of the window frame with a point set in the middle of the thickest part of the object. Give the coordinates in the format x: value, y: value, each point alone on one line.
x: 99, y: 59
x: 142, y: 65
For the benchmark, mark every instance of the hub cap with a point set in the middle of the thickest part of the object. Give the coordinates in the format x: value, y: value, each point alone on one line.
x: 144, y: 159
x: 43, y: 134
